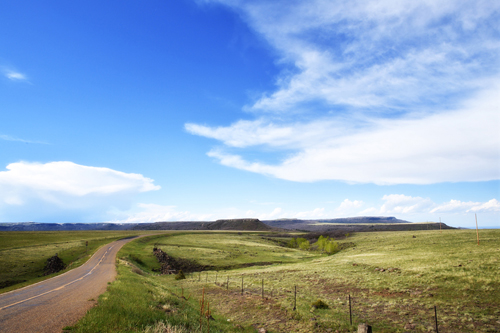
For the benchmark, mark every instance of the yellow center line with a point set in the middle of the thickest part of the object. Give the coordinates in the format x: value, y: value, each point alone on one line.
x: 61, y: 287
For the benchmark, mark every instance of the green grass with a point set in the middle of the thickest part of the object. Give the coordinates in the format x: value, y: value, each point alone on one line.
x: 135, y: 303
x: 445, y: 269
x: 23, y: 254
x: 221, y: 250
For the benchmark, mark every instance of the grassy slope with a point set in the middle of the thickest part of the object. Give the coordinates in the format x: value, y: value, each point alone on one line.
x: 23, y: 254
x: 227, y: 249
x: 446, y: 269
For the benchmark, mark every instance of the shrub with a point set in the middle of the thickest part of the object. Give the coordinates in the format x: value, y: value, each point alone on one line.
x: 300, y: 243
x: 319, y: 304
x: 304, y: 245
x: 180, y: 275
x: 327, y: 245
x: 332, y: 247
x: 321, y: 243
x: 292, y: 243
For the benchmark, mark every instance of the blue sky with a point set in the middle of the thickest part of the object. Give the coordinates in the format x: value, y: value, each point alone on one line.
x: 200, y: 110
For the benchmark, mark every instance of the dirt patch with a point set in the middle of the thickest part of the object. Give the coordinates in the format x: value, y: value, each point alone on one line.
x: 261, y: 313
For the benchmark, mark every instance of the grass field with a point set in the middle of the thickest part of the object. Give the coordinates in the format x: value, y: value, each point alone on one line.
x: 394, y: 278
x: 221, y: 250
x: 23, y: 254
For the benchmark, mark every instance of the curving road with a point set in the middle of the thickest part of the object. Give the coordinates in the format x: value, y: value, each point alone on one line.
x: 48, y: 306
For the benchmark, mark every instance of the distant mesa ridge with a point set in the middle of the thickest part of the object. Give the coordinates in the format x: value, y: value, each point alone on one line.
x: 38, y: 226
x: 348, y: 224
x: 230, y: 224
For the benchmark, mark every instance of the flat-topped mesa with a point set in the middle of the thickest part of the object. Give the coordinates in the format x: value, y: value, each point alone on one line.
x: 239, y: 220
x: 238, y: 224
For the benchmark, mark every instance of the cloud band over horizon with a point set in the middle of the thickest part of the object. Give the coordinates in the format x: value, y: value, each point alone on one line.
x: 58, y: 188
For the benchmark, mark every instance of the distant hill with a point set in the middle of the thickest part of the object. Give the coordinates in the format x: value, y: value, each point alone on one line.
x: 353, y: 224
x: 239, y: 224
x: 233, y: 224
x: 350, y: 224
x: 171, y: 226
x: 35, y: 226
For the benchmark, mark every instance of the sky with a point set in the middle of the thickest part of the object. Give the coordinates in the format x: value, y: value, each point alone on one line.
x: 186, y: 110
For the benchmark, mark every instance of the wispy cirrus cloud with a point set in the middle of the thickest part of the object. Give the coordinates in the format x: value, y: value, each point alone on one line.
x: 13, y: 138
x: 13, y: 75
x: 373, y: 92
x: 375, y: 53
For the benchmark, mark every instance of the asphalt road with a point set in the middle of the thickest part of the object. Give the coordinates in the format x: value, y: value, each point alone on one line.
x: 61, y: 301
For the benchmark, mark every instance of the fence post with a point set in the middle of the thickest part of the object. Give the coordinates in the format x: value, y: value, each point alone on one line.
x: 295, y: 300
x: 262, y: 288
x: 242, y: 285
x: 350, y: 311
x: 436, y: 319
x: 216, y: 273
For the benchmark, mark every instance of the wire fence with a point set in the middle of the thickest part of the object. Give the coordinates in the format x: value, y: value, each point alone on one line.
x: 350, y: 306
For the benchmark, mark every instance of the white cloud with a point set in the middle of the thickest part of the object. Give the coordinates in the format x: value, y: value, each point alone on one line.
x: 348, y: 207
x: 276, y: 213
x: 415, y: 209
x: 454, y: 212
x: 491, y: 206
x: 57, y: 188
x: 461, y: 145
x: 457, y: 206
x: 312, y: 214
x: 373, y: 92
x: 245, y: 133
x: 373, y: 53
x: 158, y: 213
x: 403, y: 204
x: 13, y: 75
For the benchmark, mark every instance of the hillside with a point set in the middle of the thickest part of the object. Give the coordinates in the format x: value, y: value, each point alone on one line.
x: 233, y: 224
x: 354, y: 224
x: 171, y: 226
x: 350, y: 224
x: 239, y: 224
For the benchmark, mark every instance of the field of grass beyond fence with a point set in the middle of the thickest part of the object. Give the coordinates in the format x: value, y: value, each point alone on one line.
x: 394, y: 279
